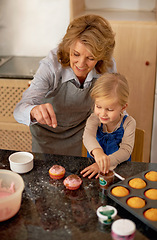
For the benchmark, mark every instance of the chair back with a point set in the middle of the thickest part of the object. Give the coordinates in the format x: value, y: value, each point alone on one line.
x: 84, y: 151
x: 137, y: 154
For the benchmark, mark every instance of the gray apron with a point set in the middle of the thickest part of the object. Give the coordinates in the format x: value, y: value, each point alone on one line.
x: 72, y: 106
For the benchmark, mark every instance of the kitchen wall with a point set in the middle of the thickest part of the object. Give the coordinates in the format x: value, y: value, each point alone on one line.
x: 32, y: 27
x: 139, y: 5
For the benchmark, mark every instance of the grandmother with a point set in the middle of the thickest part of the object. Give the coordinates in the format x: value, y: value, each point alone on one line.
x: 57, y: 103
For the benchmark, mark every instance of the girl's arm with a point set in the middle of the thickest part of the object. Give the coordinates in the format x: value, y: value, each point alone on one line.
x: 94, y: 148
x: 89, y: 135
x: 127, y: 144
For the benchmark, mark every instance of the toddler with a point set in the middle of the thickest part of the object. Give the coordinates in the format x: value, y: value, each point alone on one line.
x: 109, y: 132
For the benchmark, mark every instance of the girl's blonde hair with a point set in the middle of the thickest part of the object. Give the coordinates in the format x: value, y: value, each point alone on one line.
x: 96, y: 33
x: 111, y: 85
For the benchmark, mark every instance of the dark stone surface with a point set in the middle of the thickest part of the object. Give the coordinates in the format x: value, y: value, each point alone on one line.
x: 49, y: 211
x: 20, y: 67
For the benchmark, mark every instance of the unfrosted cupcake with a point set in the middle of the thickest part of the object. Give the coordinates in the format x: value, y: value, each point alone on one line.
x: 136, y: 202
x: 151, y: 193
x: 151, y: 214
x: 120, y: 191
x: 137, y: 183
x: 151, y: 176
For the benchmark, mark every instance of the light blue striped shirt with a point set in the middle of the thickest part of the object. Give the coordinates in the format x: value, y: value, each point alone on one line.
x: 46, y: 81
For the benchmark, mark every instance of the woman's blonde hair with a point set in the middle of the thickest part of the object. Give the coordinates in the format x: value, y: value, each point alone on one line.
x: 96, y: 33
x: 111, y: 85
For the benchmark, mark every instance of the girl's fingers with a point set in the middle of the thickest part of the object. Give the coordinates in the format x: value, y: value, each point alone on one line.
x: 92, y: 175
x: 84, y: 170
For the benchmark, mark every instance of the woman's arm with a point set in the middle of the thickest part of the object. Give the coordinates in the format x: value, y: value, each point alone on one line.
x: 43, y: 82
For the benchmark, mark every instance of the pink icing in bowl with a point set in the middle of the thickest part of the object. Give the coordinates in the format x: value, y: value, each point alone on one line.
x: 5, y: 192
x: 11, y: 188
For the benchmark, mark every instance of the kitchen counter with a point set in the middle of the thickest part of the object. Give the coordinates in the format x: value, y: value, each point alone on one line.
x: 20, y: 67
x: 50, y: 211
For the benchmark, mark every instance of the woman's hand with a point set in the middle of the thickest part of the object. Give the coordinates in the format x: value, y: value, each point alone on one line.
x: 101, y: 159
x: 91, y: 171
x: 44, y: 114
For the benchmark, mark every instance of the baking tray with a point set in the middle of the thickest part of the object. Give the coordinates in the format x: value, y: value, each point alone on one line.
x: 137, y: 212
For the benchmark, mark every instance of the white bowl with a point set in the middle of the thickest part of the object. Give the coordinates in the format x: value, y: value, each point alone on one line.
x: 105, y: 219
x: 10, y: 205
x: 21, y: 162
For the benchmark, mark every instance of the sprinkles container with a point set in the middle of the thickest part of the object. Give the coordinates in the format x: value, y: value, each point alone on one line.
x: 106, y: 214
x: 105, y: 180
x: 123, y: 229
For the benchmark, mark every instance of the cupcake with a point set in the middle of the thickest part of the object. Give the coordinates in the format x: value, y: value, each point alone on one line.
x: 136, y: 202
x: 151, y: 176
x: 151, y: 214
x: 72, y: 182
x: 151, y: 193
x: 120, y: 191
x: 137, y: 183
x: 57, y: 172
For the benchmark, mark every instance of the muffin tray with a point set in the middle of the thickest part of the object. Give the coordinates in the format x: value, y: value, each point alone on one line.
x: 137, y: 212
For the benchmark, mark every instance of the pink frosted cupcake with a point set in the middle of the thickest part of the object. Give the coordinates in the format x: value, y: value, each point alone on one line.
x: 72, y: 182
x: 57, y: 172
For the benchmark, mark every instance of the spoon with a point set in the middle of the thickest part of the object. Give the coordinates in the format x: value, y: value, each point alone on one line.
x: 118, y: 176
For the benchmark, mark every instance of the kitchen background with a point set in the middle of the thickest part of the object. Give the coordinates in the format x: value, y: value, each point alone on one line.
x: 33, y: 27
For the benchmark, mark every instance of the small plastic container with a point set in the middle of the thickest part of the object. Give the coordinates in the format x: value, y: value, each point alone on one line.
x: 21, y: 162
x: 106, y: 214
x: 123, y: 229
x: 105, y: 180
x: 10, y: 205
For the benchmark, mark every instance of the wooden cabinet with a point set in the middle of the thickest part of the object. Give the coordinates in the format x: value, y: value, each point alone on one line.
x: 13, y: 136
x: 135, y: 55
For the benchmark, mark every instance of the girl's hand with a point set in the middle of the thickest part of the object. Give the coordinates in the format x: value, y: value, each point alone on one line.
x: 91, y: 171
x: 101, y: 159
x: 44, y: 114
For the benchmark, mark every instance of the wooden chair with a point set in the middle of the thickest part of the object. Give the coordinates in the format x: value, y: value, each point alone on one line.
x: 137, y: 154
x: 84, y: 151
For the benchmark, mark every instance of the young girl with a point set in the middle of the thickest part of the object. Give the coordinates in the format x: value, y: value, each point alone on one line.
x: 109, y: 133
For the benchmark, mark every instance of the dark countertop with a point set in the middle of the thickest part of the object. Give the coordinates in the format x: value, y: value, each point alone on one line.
x: 18, y: 67
x: 49, y: 211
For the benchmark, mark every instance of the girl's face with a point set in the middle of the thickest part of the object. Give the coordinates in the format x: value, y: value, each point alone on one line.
x: 108, y: 111
x: 81, y: 60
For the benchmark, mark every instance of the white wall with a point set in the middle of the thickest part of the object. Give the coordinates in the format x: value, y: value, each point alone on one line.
x: 32, y: 27
x: 139, y: 5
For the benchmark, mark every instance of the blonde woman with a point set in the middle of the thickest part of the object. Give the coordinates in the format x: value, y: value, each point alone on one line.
x: 109, y: 132
x: 57, y: 103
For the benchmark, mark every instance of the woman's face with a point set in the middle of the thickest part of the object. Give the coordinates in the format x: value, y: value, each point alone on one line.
x: 81, y: 60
